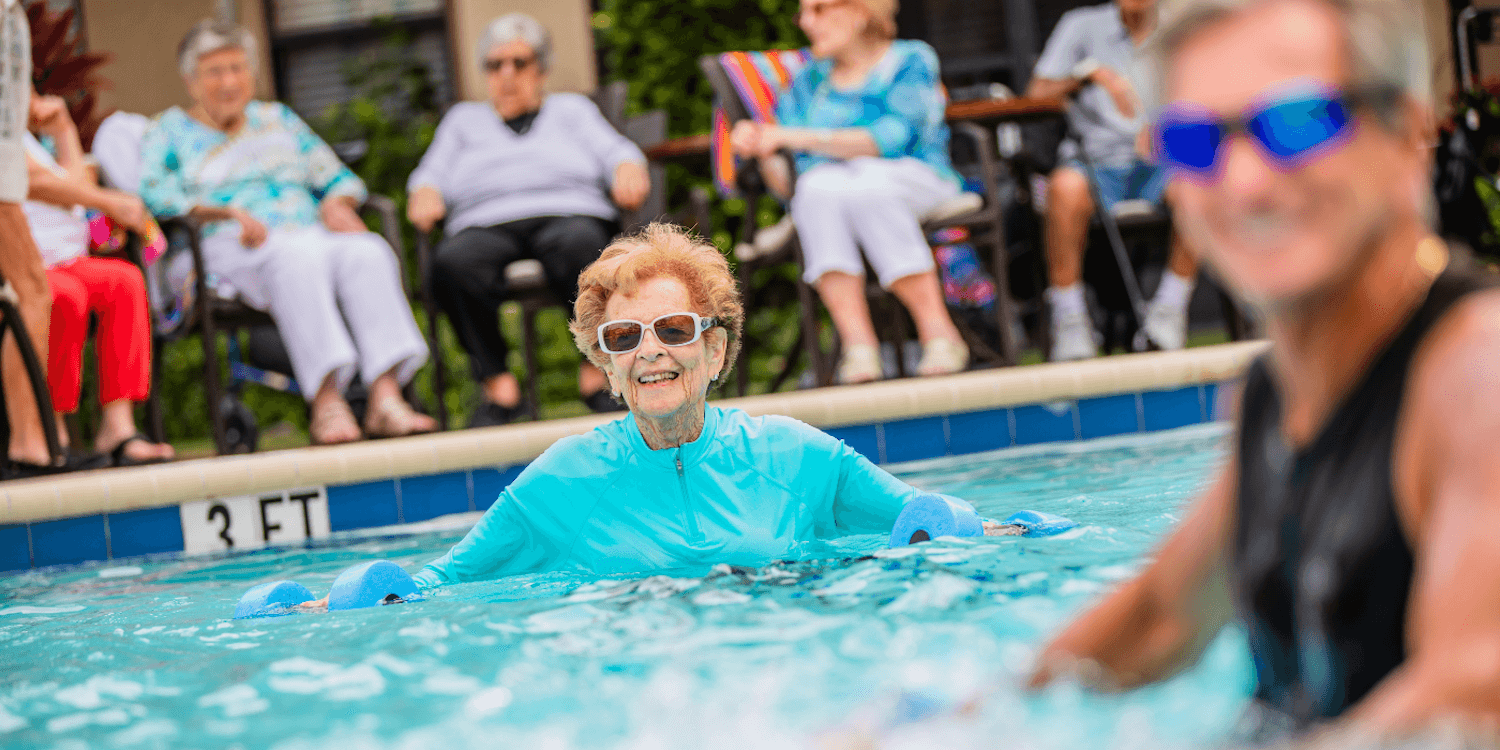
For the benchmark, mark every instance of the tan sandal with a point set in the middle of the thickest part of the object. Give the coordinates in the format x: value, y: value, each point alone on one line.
x: 943, y: 357
x: 333, y: 417
x: 393, y: 417
x: 860, y: 364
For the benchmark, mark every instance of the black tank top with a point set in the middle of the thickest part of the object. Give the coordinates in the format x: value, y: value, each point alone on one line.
x: 1321, y: 567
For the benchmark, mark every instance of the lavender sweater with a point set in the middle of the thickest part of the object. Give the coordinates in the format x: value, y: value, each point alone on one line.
x: 490, y: 175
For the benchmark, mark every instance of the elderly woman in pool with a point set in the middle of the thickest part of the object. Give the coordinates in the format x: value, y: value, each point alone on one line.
x: 676, y: 482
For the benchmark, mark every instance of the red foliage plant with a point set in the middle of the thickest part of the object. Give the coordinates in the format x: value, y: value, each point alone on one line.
x: 60, y: 66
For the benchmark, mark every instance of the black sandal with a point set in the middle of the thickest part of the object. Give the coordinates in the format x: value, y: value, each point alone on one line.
x: 118, y: 458
x: 602, y: 402
x: 74, y: 462
x: 491, y: 414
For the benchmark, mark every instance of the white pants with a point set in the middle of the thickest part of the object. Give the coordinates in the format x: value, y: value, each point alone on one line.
x: 336, y: 298
x: 870, y: 203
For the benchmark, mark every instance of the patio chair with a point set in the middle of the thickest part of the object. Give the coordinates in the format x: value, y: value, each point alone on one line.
x: 10, y: 322
x: 745, y: 85
x: 526, y: 283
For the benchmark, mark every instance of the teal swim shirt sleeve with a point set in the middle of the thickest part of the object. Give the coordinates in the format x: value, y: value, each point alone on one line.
x: 532, y: 525
x: 865, y: 498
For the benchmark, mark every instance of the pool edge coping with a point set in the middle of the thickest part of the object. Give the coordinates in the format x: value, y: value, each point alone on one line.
x: 171, y: 484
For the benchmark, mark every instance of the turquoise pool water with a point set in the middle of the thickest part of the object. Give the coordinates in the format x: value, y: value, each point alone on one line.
x: 813, y: 653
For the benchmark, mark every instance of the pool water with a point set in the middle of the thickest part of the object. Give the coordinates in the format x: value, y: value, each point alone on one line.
x: 919, y: 647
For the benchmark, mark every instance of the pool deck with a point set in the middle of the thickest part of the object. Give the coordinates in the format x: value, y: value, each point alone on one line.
x: 888, y: 421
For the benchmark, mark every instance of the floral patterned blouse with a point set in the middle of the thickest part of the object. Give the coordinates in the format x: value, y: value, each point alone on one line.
x: 901, y: 103
x: 274, y: 167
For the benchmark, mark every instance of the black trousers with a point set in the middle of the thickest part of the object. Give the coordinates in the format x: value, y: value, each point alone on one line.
x: 468, y: 275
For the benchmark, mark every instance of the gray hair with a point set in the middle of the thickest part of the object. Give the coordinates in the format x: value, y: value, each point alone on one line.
x: 513, y: 26
x: 209, y: 36
x: 1384, y: 39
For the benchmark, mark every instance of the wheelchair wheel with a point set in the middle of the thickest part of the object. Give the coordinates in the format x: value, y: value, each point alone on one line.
x: 241, y: 435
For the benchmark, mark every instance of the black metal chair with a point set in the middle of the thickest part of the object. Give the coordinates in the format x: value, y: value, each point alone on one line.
x: 983, y: 215
x: 10, y: 322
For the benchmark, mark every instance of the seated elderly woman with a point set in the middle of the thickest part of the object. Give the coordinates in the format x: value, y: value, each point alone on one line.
x: 864, y: 119
x: 521, y: 176
x: 283, y: 232
x: 110, y: 289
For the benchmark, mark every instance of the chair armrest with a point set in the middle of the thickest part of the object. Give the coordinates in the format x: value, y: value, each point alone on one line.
x: 984, y: 146
x: 384, y: 211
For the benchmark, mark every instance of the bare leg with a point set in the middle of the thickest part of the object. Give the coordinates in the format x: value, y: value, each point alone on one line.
x: 21, y: 265
x: 1069, y: 209
x: 503, y: 389
x: 923, y: 297
x: 117, y: 424
x: 844, y: 296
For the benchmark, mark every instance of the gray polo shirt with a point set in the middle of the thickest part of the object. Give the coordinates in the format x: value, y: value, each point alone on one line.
x: 1097, y: 32
x: 15, y: 99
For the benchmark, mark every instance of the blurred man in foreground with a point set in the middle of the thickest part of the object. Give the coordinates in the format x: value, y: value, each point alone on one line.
x: 1352, y: 530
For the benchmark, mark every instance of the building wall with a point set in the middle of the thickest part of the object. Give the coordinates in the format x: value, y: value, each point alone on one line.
x: 143, y: 38
x: 1440, y: 45
x: 569, y: 22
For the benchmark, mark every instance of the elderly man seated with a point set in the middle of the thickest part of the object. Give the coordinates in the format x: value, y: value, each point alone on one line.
x: 282, y: 230
x: 1099, y: 45
x: 521, y: 175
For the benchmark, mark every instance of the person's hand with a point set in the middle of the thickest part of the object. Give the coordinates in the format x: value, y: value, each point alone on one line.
x: 252, y: 232
x: 127, y: 210
x: 995, y: 528
x: 49, y: 115
x: 754, y: 139
x: 338, y: 215
x: 424, y: 208
x: 631, y: 185
x: 1119, y: 89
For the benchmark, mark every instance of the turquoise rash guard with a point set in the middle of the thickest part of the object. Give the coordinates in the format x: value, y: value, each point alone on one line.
x: 748, y: 491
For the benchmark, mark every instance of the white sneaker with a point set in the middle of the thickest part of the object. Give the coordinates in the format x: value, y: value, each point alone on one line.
x: 1072, y: 336
x: 1165, y: 325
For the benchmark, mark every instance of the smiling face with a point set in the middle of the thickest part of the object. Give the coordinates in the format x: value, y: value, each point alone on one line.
x: 515, y: 86
x: 662, y: 383
x: 1284, y: 235
x: 222, y: 84
x: 832, y: 26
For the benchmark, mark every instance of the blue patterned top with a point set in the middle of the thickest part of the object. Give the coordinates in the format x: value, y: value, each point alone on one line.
x: 900, y: 103
x: 275, y: 168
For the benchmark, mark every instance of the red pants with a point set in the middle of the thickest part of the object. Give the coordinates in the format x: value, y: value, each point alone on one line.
x: 113, y: 290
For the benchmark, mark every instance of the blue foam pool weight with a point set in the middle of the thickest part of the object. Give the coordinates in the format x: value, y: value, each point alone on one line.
x: 372, y: 584
x: 1038, y: 523
x: 271, y: 599
x: 931, y: 516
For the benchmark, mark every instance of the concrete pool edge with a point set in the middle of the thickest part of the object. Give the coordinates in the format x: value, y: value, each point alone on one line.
x: 463, y: 470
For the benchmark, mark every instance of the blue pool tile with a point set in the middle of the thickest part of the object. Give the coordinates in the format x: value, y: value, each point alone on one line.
x: 1167, y: 409
x: 1040, y: 424
x: 362, y: 506
x: 915, y: 439
x: 434, y: 495
x: 1108, y: 415
x: 1210, y: 401
x: 978, y: 431
x: 70, y: 540
x: 863, y: 438
x: 489, y: 482
x: 15, y: 551
x: 142, y: 532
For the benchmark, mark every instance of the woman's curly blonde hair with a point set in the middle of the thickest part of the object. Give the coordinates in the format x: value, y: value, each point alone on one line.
x: 659, y: 250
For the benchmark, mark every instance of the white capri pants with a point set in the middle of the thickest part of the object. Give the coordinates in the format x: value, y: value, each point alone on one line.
x: 870, y: 203
x: 336, y: 298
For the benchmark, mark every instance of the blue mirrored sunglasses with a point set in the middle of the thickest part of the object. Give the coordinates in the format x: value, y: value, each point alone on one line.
x: 1287, y: 128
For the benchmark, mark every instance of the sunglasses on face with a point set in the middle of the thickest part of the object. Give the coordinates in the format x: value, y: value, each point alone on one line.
x: 497, y: 64
x: 1288, y: 128
x: 672, y: 329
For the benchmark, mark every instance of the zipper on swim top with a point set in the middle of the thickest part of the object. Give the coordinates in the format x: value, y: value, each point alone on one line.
x: 687, y: 504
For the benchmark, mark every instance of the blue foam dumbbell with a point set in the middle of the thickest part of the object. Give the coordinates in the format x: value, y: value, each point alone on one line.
x: 1038, y: 523
x: 372, y: 584
x: 271, y: 599
x: 931, y: 516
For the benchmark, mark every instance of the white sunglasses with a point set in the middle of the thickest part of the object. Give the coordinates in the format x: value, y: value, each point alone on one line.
x: 672, y: 329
